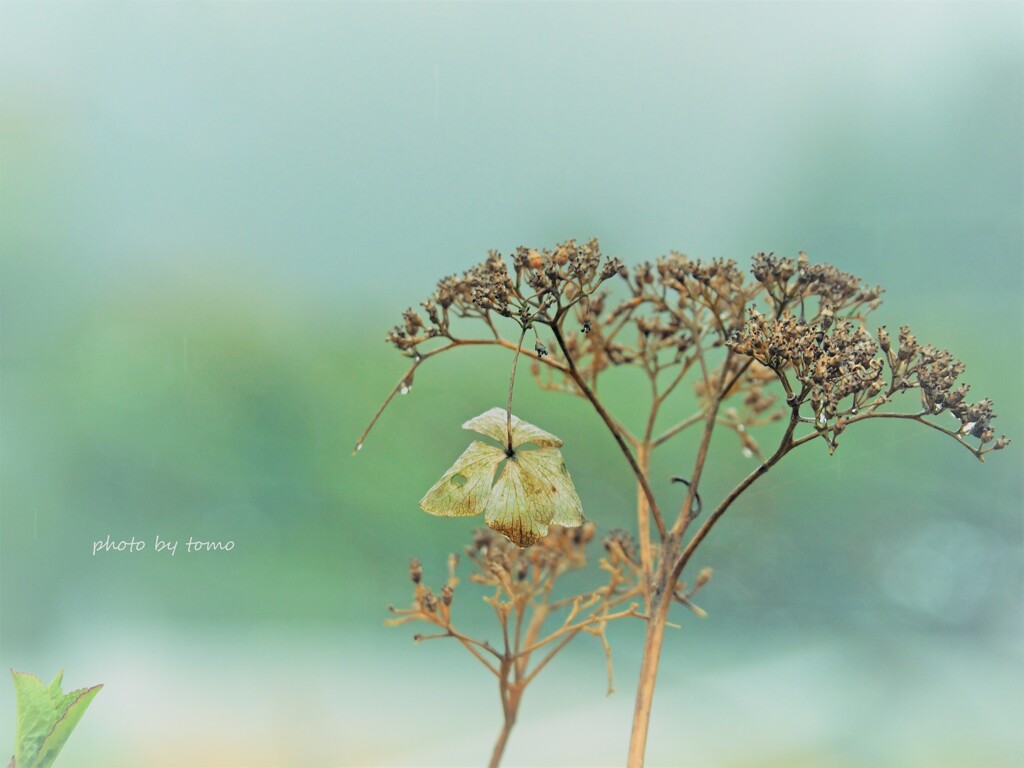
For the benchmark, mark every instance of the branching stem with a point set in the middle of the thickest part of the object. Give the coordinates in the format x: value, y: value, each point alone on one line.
x: 613, y: 428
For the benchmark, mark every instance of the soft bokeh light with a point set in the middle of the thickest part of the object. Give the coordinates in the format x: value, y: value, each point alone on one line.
x: 211, y: 213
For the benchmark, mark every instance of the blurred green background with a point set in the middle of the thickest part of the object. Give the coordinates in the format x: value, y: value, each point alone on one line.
x: 211, y: 214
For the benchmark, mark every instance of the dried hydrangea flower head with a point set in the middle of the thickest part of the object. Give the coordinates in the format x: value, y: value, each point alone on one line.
x: 532, y: 491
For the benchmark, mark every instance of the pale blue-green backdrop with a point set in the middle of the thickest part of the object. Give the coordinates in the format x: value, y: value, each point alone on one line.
x: 211, y: 213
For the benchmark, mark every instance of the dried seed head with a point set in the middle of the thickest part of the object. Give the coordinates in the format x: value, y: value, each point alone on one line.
x: 883, y: 339
x: 827, y: 316
x: 415, y: 570
x: 908, y: 344
x: 703, y: 578
x: 584, y: 534
x: 618, y: 540
x: 428, y: 601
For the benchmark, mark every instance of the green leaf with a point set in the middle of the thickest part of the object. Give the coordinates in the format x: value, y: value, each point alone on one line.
x: 35, y: 717
x: 533, y: 491
x: 46, y: 717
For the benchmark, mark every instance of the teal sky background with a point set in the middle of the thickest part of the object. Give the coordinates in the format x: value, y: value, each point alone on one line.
x: 210, y: 215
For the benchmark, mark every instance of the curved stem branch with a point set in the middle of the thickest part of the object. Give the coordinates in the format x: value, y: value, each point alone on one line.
x: 454, y: 343
x: 671, y: 432
x: 919, y: 418
x: 785, y: 445
x: 613, y: 428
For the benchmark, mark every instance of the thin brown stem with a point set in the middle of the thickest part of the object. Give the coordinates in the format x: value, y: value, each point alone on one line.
x: 454, y: 343
x: 736, y: 377
x: 511, y: 387
x: 658, y: 619
x: 594, y: 618
x: 685, y: 516
x: 387, y: 400
x: 683, y: 520
x: 507, y: 345
x: 511, y: 695
x: 785, y: 446
x: 468, y: 645
x: 919, y: 418
x: 613, y: 428
x: 671, y: 432
x: 643, y: 523
x: 684, y: 368
x: 550, y: 655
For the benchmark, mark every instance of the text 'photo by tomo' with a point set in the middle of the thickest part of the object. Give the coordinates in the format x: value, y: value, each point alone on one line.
x: 524, y: 384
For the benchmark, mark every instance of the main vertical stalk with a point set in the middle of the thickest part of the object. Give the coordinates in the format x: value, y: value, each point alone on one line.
x: 657, y: 611
x: 510, y: 697
x: 499, y: 746
x: 643, y: 522
x: 658, y: 616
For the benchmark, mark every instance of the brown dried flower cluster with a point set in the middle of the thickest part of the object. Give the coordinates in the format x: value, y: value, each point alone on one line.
x: 829, y: 362
x: 524, y: 601
x: 835, y: 290
x: 801, y: 323
x: 524, y: 582
x: 935, y: 372
x: 545, y: 282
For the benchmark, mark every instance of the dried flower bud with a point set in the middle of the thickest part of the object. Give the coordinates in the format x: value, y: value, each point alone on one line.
x: 482, y: 538
x: 908, y: 344
x: 428, y: 602
x: 584, y: 534
x: 703, y: 578
x: 883, y: 339
x: 446, y: 595
x: 827, y: 316
x: 415, y: 570
x: 413, y: 322
x: 618, y: 539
